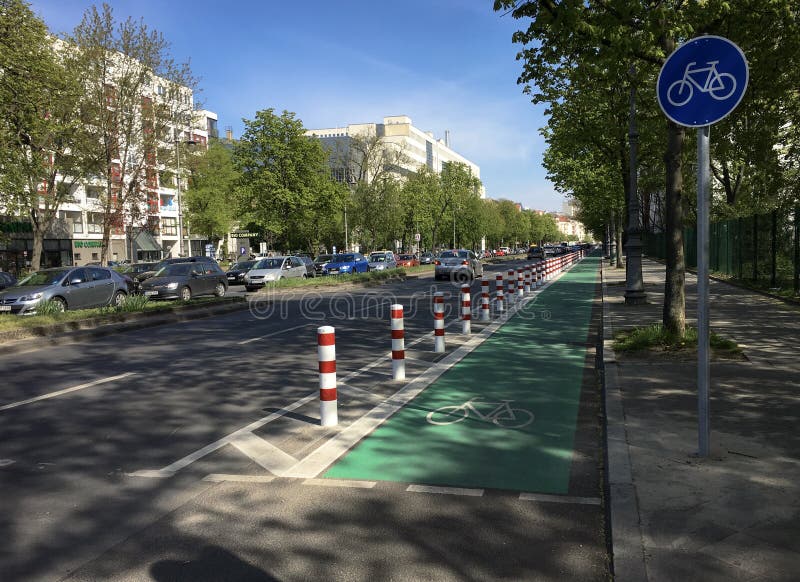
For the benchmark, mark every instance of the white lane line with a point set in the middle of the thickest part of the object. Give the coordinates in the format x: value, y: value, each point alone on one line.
x: 170, y: 470
x: 341, y: 483
x: 222, y: 478
x: 559, y: 499
x: 445, y: 490
x: 6, y: 462
x: 273, y: 334
x: 268, y: 456
x: 66, y: 391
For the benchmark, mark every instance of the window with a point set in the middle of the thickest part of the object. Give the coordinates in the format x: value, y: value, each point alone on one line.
x: 169, y: 226
x: 100, y: 274
x: 77, y: 256
x: 95, y: 223
x: 160, y: 90
x: 93, y: 192
x: 95, y: 256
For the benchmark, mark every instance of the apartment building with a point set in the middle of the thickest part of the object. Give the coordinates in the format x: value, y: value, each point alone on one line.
x: 151, y: 231
x: 413, y: 148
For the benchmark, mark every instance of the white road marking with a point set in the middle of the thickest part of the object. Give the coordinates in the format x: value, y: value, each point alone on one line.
x: 445, y: 490
x: 268, y: 456
x: 6, y: 462
x: 341, y: 483
x: 66, y: 391
x: 222, y: 478
x: 273, y: 334
x: 559, y: 499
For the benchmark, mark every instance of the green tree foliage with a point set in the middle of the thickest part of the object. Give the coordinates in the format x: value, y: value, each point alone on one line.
x: 208, y: 202
x: 285, y: 186
x: 132, y: 126
x: 39, y: 122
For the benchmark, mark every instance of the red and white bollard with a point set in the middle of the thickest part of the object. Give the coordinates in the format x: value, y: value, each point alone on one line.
x: 466, y: 310
x: 527, y: 271
x: 398, y: 343
x: 438, y: 322
x: 512, y: 290
x: 520, y: 287
x: 498, y: 298
x: 326, y: 356
x: 486, y: 314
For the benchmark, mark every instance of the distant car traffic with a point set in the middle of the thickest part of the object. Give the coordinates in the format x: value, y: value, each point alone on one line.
x: 346, y: 263
x: 458, y: 264
x: 407, y: 261
x: 382, y: 261
x: 186, y: 280
x: 67, y: 288
x: 426, y: 259
x: 535, y: 252
x: 311, y: 270
x: 273, y: 269
x: 236, y: 273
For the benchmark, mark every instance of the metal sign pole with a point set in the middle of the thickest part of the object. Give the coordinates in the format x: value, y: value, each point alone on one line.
x: 703, y: 371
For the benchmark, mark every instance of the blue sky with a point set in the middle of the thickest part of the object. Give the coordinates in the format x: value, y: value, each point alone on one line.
x: 447, y: 64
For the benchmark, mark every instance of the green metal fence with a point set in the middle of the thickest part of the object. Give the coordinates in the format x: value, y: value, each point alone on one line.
x: 761, y: 250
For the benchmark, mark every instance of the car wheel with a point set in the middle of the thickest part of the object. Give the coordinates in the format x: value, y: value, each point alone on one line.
x: 219, y: 290
x: 60, y: 303
x: 305, y: 276
x: 186, y: 293
x: 119, y: 298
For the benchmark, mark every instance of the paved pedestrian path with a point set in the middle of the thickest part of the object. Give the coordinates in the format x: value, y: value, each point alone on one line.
x: 505, y: 416
x: 736, y: 514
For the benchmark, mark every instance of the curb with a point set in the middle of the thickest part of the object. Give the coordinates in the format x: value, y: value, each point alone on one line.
x: 627, y: 544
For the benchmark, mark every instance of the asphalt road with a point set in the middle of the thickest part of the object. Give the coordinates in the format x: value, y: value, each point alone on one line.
x: 170, y: 453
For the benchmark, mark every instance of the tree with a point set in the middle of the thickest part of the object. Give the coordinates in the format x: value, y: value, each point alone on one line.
x: 136, y: 102
x: 208, y: 201
x: 39, y: 124
x: 284, y: 176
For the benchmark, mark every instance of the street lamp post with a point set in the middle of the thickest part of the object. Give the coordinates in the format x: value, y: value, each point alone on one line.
x: 178, y: 141
x: 634, y: 288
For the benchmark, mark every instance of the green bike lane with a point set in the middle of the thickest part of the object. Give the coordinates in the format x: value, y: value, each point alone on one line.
x: 536, y: 361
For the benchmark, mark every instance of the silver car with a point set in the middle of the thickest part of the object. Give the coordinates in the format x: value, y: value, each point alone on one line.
x: 381, y: 261
x: 461, y: 265
x: 272, y: 269
x: 67, y: 287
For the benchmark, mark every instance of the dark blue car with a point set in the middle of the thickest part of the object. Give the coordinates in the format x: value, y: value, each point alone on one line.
x: 346, y: 263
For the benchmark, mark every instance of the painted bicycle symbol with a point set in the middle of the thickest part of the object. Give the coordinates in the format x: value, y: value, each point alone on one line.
x: 707, y: 80
x: 502, y: 415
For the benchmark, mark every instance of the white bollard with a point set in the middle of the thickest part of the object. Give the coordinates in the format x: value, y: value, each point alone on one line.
x: 466, y: 310
x: 438, y: 322
x: 512, y: 290
x: 520, y: 287
x: 398, y: 343
x: 527, y: 271
x: 326, y: 356
x: 486, y: 314
x: 498, y: 298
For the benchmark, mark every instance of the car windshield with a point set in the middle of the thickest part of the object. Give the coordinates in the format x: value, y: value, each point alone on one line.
x: 271, y: 263
x: 176, y: 269
x: 243, y: 266
x: 344, y: 258
x: 42, y: 278
x: 377, y: 258
x: 406, y: 258
x: 454, y: 255
x: 323, y: 258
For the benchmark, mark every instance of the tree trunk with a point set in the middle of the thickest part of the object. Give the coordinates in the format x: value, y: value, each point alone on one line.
x: 619, y: 243
x: 674, y: 314
x: 38, y: 244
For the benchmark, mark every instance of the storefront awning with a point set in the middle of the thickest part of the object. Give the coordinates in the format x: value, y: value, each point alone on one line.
x: 146, y: 242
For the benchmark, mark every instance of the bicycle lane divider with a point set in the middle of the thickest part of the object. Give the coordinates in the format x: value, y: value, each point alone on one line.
x: 535, y: 362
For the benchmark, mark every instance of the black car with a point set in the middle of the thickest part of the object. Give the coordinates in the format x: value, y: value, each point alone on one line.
x: 237, y: 272
x: 7, y: 280
x: 320, y: 262
x: 133, y: 272
x: 185, y: 280
x: 144, y: 275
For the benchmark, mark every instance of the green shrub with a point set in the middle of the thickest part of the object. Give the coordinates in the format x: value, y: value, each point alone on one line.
x: 49, y: 307
x: 656, y: 337
x: 133, y: 303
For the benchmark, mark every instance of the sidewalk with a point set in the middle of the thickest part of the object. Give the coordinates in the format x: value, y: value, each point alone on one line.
x: 736, y: 514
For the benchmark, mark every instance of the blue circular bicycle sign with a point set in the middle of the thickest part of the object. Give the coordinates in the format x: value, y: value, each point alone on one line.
x: 702, y: 81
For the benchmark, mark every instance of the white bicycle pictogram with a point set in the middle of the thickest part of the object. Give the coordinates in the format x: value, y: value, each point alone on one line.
x: 502, y: 415
x: 719, y: 85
